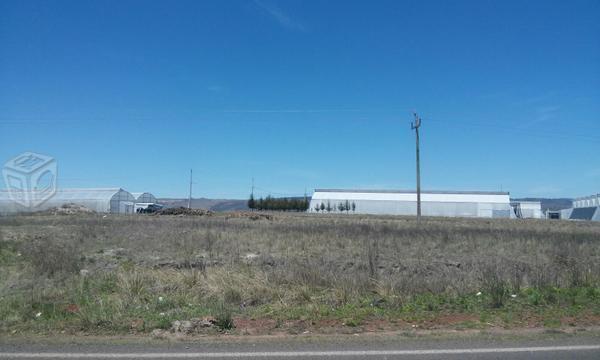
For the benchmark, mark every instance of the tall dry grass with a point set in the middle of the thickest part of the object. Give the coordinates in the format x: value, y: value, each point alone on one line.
x: 300, y: 258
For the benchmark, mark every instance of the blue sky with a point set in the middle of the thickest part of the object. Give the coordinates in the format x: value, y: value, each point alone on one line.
x: 305, y: 94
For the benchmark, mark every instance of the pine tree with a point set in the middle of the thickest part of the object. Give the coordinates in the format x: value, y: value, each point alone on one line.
x: 347, y: 206
x: 353, y: 206
x: 251, y: 202
x: 328, y: 206
x: 322, y: 207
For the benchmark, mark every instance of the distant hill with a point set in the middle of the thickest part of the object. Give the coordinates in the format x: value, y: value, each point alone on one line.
x: 208, y: 204
x: 552, y: 204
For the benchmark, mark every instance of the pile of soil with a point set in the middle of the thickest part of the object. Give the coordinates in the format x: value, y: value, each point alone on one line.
x: 68, y: 209
x: 183, y: 211
x: 249, y: 215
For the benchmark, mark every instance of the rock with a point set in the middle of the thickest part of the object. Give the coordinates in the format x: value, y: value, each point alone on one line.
x: 159, y: 334
x: 206, y: 322
x: 176, y: 326
x: 191, y: 326
x: 187, y: 327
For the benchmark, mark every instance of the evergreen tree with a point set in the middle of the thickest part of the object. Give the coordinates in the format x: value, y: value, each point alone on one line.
x: 317, y: 208
x: 328, y: 206
x: 251, y: 202
x: 261, y: 204
x: 341, y: 207
x: 323, y: 207
x: 353, y: 206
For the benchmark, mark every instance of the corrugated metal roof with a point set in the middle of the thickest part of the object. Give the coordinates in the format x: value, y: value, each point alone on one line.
x: 586, y: 213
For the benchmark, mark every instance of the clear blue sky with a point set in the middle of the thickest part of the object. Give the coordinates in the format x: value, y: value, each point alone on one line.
x: 305, y: 94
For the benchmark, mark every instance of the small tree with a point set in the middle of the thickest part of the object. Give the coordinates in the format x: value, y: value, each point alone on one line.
x: 341, y: 207
x: 323, y: 207
x: 251, y: 202
x: 328, y: 208
x: 347, y: 206
x: 317, y: 208
x: 353, y: 206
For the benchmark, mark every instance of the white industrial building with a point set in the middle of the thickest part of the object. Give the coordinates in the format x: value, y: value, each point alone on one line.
x: 111, y: 200
x: 586, y: 208
x: 404, y: 202
x: 587, y: 201
x: 527, y: 209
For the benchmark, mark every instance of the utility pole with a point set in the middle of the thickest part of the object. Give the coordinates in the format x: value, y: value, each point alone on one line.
x: 190, y: 198
x: 415, y: 126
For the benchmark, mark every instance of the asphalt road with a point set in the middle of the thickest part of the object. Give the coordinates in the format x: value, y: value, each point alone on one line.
x: 559, y: 347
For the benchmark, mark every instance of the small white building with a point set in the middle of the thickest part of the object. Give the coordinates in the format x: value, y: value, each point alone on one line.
x: 484, y: 204
x: 527, y: 209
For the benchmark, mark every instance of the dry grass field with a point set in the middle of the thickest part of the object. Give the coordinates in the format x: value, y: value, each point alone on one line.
x: 91, y: 273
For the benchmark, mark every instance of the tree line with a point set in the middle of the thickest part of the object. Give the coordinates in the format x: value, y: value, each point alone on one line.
x: 278, y: 204
x: 346, y: 206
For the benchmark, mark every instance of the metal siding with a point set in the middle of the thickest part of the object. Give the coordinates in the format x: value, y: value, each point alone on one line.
x: 425, y: 197
x: 429, y: 208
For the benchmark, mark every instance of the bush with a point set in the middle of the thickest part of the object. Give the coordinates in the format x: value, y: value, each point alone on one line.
x: 224, y: 320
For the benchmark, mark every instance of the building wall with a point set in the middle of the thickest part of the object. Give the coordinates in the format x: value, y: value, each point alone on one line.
x: 565, y: 214
x: 587, y: 201
x: 438, y: 204
x: 529, y: 209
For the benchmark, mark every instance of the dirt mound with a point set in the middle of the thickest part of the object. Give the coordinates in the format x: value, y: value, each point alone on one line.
x: 182, y: 211
x: 68, y: 209
x: 249, y: 215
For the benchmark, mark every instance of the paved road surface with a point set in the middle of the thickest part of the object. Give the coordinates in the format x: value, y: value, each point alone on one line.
x: 559, y: 347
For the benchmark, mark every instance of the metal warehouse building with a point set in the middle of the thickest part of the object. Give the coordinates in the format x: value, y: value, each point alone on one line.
x: 112, y: 200
x: 527, y: 209
x: 404, y: 202
x: 586, y: 208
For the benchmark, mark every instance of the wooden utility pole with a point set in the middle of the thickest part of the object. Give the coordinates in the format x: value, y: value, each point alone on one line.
x: 190, y: 197
x: 415, y: 126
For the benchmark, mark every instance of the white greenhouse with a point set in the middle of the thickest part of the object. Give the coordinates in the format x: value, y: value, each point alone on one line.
x: 111, y: 200
x: 404, y: 202
x: 144, y: 197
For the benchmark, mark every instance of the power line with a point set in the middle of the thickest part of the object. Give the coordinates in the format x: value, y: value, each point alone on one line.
x: 521, y: 131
